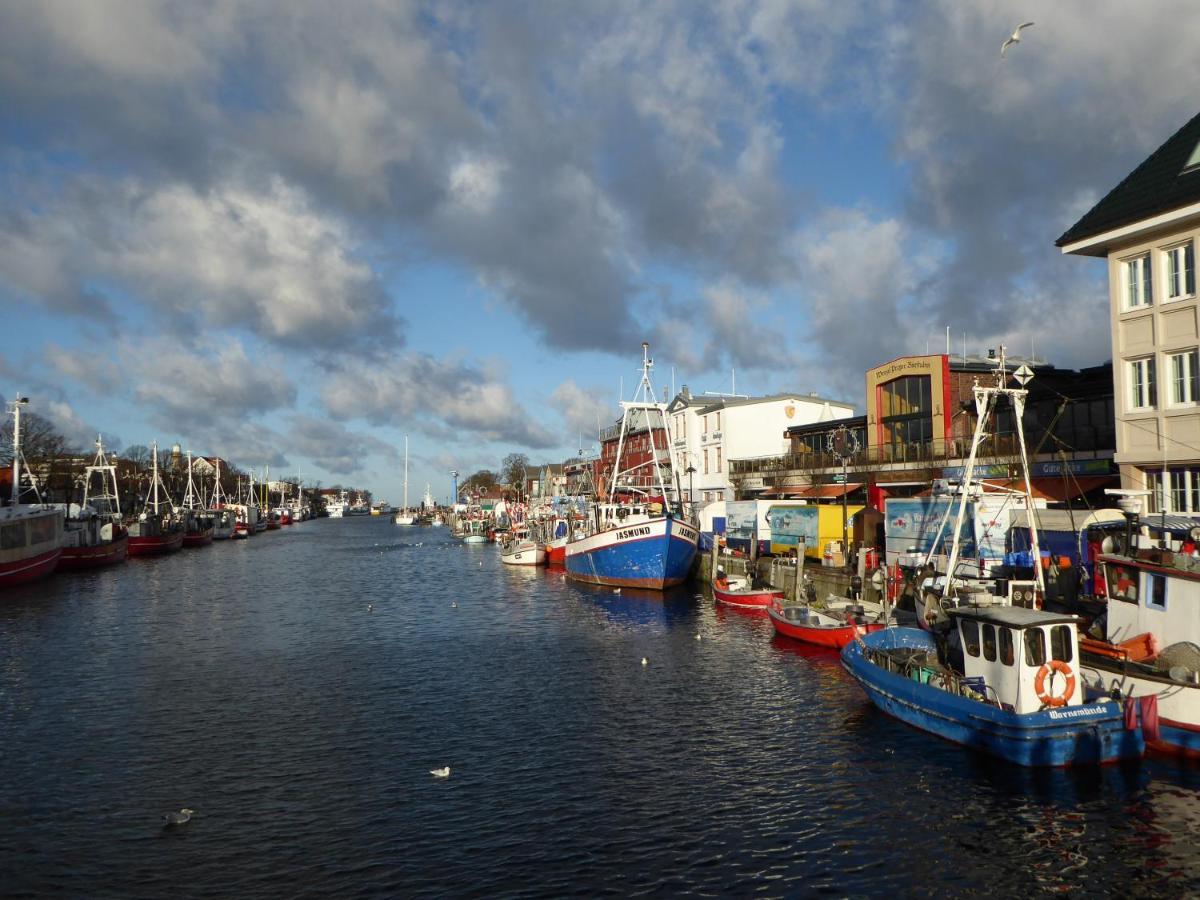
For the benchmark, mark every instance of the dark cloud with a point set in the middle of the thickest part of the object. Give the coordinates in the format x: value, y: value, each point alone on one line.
x: 455, y: 399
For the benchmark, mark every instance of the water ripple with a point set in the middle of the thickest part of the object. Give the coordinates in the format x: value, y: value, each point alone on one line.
x: 296, y: 689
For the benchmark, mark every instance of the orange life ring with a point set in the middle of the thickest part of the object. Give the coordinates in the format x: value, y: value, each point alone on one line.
x: 1039, y: 683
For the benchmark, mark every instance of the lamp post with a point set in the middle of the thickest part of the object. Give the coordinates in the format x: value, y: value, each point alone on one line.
x: 691, y: 471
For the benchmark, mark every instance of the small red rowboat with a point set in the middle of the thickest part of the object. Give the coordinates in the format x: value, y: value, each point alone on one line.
x: 738, y: 594
x: 803, y: 623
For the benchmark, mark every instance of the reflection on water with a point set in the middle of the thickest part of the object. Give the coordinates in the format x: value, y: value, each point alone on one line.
x: 296, y: 689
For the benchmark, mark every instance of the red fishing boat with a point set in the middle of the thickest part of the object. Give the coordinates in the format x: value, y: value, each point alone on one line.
x: 556, y: 552
x: 30, y: 533
x: 156, y: 530
x: 94, y: 535
x: 801, y: 622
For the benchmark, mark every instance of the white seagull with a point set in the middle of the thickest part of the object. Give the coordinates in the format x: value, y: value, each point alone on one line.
x: 645, y: 662
x: 1014, y: 38
x: 443, y: 772
x: 178, y: 818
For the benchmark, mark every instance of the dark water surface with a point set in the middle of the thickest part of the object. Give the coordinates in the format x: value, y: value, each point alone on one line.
x: 251, y: 682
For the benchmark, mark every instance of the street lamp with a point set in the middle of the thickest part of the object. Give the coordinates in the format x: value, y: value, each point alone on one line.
x: 691, y: 471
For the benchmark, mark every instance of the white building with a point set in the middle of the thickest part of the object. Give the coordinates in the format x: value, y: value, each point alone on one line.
x: 710, y: 430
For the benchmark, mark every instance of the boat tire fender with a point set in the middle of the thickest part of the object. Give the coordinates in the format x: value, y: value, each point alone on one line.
x: 1039, y: 683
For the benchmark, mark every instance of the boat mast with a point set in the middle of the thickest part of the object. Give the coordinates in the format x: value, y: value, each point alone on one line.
x: 108, y: 472
x: 16, y: 462
x: 154, y: 477
x: 645, y: 401
x: 985, y: 399
x: 215, y: 500
x: 191, y: 495
x: 406, y: 473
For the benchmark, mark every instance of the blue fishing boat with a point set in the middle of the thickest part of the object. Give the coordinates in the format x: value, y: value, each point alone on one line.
x: 1008, y: 685
x: 638, y: 538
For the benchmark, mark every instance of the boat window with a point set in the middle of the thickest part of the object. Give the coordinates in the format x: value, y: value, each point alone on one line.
x: 1156, y: 591
x: 12, y: 536
x: 1006, y: 646
x: 989, y: 642
x: 1122, y: 584
x: 42, y: 530
x: 1035, y: 647
x: 1060, y: 643
x: 970, y: 633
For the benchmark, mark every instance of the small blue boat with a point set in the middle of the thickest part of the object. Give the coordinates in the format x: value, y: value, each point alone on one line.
x: 1009, y: 687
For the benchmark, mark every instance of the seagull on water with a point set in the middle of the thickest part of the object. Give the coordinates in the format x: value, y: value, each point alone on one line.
x: 616, y: 590
x: 645, y: 662
x: 1014, y: 38
x: 178, y: 818
x: 443, y: 772
x: 454, y: 605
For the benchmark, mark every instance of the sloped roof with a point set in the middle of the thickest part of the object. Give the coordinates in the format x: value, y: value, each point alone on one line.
x: 1160, y: 184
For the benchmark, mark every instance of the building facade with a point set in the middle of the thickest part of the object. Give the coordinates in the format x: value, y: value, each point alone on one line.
x: 1146, y: 229
x: 710, y: 432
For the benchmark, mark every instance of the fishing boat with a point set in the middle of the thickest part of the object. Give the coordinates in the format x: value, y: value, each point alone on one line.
x: 520, y: 549
x: 637, y: 539
x: 339, y: 508
x: 404, y: 515
x: 156, y: 530
x: 224, y: 517
x: 475, y: 532
x: 197, y: 520
x: 1010, y: 687
x: 94, y: 534
x: 1146, y: 646
x: 30, y: 533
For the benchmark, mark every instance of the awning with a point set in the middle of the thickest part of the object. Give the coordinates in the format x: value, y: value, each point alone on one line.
x: 785, y: 493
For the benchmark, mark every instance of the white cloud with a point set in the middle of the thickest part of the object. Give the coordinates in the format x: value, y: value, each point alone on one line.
x: 460, y: 399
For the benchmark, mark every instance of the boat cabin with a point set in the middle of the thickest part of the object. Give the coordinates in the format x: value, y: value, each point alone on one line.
x: 1025, y: 659
x: 1158, y: 596
x: 614, y: 515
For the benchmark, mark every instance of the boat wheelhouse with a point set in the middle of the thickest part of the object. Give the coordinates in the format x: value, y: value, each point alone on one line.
x: 1147, y: 644
x: 1010, y: 687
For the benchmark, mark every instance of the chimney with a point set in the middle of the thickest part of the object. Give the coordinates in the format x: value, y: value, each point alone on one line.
x: 687, y: 395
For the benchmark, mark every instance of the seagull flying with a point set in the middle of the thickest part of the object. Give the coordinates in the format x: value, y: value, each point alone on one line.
x: 1014, y: 38
x: 443, y: 772
x: 178, y: 818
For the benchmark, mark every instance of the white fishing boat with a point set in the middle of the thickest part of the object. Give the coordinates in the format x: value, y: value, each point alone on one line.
x: 223, y: 517
x: 520, y: 548
x: 339, y: 508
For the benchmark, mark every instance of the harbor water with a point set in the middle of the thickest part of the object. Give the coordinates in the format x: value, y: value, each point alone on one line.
x: 296, y: 690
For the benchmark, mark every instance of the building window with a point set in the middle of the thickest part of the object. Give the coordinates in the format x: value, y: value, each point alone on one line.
x: 1143, y: 393
x: 1180, y: 278
x: 1138, y: 290
x: 704, y: 429
x: 705, y: 462
x: 718, y: 460
x: 1183, y: 495
x: 1184, y: 375
x: 718, y: 422
x: 906, y: 416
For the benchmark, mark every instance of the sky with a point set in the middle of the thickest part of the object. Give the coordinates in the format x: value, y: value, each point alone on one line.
x: 297, y: 234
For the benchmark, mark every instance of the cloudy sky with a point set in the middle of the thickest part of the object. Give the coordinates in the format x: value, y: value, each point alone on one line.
x: 293, y: 233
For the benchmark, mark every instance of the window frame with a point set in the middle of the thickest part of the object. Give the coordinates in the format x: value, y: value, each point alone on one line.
x: 1179, y: 284
x: 1142, y: 382
x: 1138, y: 293
x: 1184, y: 376
x: 1154, y: 589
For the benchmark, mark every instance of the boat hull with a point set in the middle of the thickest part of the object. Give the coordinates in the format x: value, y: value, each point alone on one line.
x: 29, y: 569
x: 75, y: 558
x: 655, y: 554
x: 556, y: 553
x: 1178, y: 703
x: 155, y: 545
x: 198, y: 538
x: 755, y: 599
x: 524, y: 556
x: 1080, y: 735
